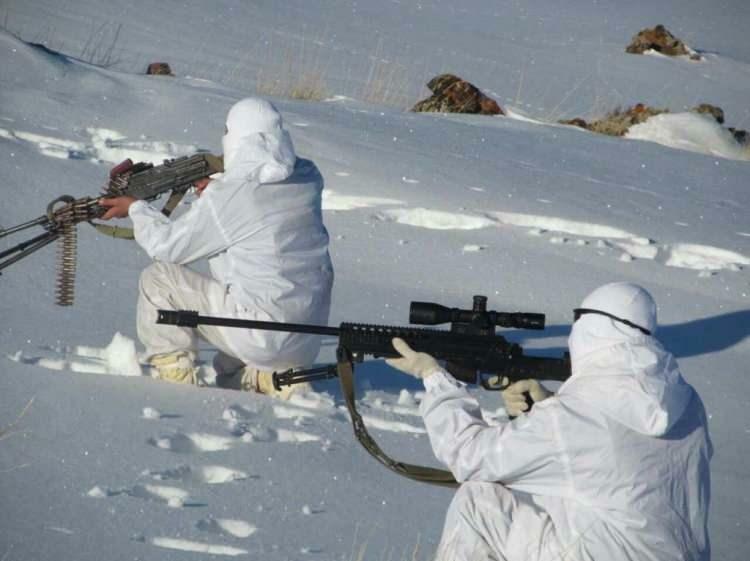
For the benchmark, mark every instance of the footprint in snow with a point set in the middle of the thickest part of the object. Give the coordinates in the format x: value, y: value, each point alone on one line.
x: 154, y: 414
x: 227, y: 527
x: 239, y: 413
x: 211, y: 475
x: 406, y: 405
x: 241, y: 427
x: 473, y: 248
x: 194, y: 546
x: 391, y: 426
x: 170, y: 496
x: 191, y: 443
x: 267, y: 434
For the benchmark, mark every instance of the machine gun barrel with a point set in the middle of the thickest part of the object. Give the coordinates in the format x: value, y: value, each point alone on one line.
x: 41, y: 221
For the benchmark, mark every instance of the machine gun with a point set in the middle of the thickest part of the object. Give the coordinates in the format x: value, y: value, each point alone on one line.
x: 473, y: 352
x: 143, y: 181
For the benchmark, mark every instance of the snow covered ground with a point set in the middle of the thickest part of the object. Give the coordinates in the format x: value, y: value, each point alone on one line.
x: 419, y: 207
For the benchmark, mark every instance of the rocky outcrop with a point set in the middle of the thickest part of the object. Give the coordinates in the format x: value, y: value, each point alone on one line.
x: 741, y: 136
x: 618, y: 121
x: 451, y: 94
x: 713, y: 110
x: 659, y: 39
x: 159, y: 69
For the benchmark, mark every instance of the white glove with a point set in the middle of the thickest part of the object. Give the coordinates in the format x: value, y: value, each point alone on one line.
x: 419, y: 365
x: 515, y: 400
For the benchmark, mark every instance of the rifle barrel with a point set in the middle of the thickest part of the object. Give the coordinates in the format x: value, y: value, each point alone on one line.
x: 186, y: 318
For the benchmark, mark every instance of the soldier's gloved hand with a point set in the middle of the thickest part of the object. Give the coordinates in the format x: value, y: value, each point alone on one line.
x: 419, y: 365
x: 515, y: 396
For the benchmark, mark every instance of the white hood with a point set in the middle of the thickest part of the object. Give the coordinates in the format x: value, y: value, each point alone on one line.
x: 256, y: 146
x: 640, y: 379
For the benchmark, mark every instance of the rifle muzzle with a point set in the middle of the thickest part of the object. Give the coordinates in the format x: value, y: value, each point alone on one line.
x: 182, y: 318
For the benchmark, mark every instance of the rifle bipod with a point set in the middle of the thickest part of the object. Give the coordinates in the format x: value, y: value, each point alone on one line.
x: 292, y: 376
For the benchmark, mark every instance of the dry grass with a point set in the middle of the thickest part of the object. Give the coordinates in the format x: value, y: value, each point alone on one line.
x: 101, y: 45
x: 307, y: 86
x: 416, y: 554
x: 303, y: 67
x: 10, y: 429
x: 387, y: 81
x: 617, y: 122
x: 297, y: 73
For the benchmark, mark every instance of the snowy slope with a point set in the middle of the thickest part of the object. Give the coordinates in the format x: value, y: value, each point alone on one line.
x: 419, y: 207
x: 553, y: 62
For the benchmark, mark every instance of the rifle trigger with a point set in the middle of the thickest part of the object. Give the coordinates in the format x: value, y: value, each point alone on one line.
x: 493, y: 382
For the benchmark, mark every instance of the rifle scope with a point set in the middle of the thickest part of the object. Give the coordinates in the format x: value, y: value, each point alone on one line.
x: 427, y: 313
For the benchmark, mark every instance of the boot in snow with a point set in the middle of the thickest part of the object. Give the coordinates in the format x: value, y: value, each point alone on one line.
x: 176, y: 367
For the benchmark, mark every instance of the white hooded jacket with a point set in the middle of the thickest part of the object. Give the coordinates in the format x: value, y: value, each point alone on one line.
x: 618, y: 459
x: 260, y: 226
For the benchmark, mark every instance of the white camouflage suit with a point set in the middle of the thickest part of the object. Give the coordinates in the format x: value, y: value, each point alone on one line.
x: 260, y: 226
x: 614, y: 467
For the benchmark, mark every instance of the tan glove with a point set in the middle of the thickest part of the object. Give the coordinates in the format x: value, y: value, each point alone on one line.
x: 419, y: 365
x: 515, y: 400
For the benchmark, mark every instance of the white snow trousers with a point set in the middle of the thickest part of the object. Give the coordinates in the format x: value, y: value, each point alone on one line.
x: 487, y: 521
x: 175, y: 287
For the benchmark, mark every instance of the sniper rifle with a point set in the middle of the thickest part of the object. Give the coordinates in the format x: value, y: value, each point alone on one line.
x: 142, y: 180
x: 473, y: 353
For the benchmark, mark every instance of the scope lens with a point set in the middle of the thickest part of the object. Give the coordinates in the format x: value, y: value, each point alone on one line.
x: 427, y: 313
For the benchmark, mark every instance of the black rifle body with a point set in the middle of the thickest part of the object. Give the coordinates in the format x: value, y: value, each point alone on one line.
x: 473, y: 359
x: 473, y: 353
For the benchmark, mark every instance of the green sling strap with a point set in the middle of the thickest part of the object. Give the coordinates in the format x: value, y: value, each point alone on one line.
x: 425, y: 474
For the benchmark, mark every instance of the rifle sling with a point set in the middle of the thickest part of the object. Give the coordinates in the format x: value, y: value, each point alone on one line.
x: 127, y: 233
x: 345, y: 370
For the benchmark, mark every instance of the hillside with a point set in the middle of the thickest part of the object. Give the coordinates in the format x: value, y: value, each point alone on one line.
x: 421, y: 207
